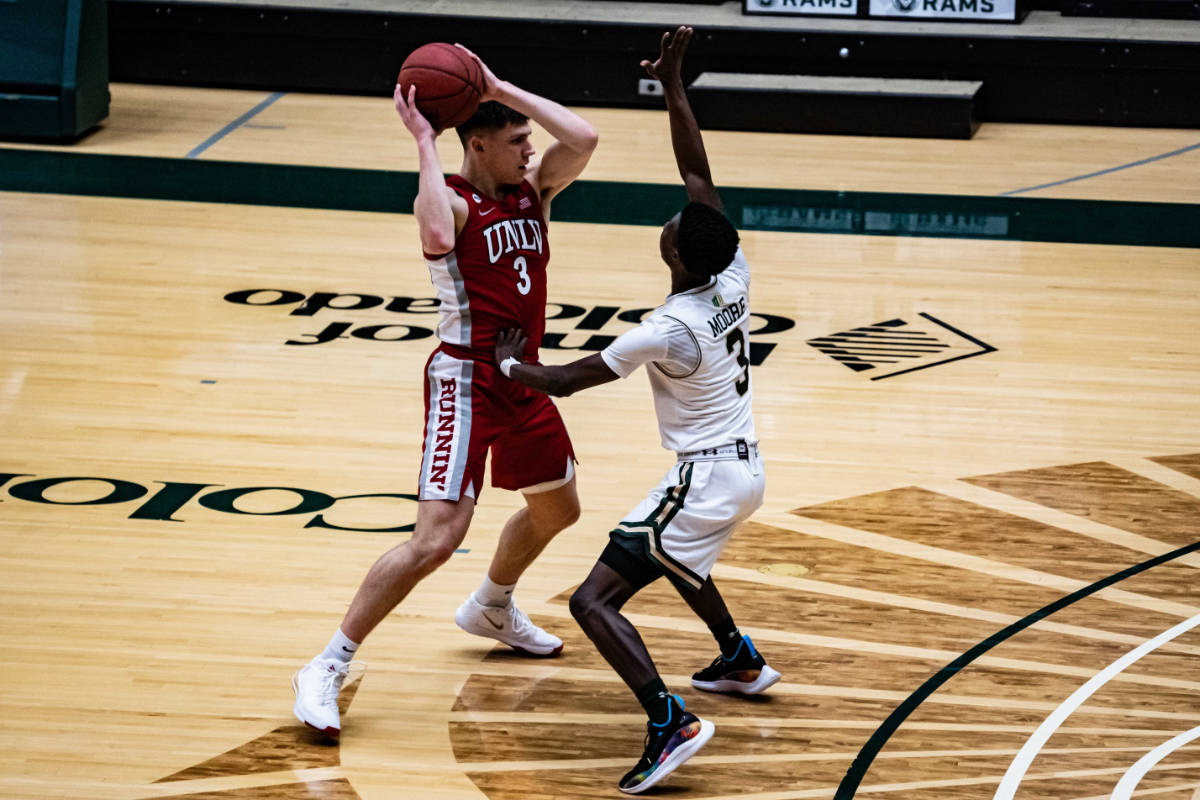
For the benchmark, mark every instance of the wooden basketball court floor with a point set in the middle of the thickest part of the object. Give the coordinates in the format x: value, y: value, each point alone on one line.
x: 211, y: 418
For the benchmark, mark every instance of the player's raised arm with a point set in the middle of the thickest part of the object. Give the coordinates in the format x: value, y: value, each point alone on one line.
x: 574, y: 136
x: 433, y: 209
x: 559, y: 381
x: 685, y: 133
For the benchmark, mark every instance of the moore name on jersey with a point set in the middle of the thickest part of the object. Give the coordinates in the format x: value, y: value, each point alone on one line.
x: 727, y: 316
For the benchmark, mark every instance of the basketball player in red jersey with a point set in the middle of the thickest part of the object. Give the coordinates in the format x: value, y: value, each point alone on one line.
x: 483, y: 233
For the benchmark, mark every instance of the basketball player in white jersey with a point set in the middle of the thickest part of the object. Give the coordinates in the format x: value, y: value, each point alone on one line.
x: 695, y: 347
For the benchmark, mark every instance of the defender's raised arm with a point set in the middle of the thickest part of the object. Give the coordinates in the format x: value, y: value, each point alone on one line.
x: 685, y: 133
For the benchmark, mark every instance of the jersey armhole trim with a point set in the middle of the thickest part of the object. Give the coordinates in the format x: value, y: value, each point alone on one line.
x: 699, y: 352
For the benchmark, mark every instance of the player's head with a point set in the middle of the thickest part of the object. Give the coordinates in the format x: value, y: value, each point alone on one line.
x: 497, y: 137
x: 699, y: 239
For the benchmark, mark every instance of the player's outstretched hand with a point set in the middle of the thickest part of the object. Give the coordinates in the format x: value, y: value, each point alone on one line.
x: 489, y: 78
x: 670, y: 56
x: 413, y: 119
x: 510, y: 344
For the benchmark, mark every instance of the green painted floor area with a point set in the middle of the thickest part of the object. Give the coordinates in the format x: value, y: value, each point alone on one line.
x: 618, y: 203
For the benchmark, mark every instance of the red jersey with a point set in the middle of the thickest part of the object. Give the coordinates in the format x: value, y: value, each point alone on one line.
x: 495, y: 277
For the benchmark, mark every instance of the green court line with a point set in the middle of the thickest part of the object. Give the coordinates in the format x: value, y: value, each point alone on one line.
x: 848, y: 788
x: 611, y: 202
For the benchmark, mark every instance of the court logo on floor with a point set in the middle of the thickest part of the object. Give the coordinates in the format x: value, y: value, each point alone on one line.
x: 571, y: 327
x: 895, y: 347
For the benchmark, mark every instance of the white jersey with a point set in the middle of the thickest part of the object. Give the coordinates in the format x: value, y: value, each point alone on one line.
x: 697, y: 348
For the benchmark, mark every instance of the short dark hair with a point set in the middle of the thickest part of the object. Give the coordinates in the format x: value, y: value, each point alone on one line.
x: 706, y: 241
x: 490, y: 116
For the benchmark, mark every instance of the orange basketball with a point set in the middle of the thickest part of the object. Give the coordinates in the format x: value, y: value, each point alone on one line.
x: 449, y: 83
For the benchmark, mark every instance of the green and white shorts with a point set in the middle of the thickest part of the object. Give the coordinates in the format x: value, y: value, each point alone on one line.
x: 683, y: 524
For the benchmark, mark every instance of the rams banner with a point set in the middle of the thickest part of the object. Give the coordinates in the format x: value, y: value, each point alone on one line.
x: 841, y: 8
x: 964, y: 10
x: 960, y: 10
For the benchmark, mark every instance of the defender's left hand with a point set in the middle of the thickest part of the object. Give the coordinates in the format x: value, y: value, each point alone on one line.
x: 510, y: 344
x: 670, y: 56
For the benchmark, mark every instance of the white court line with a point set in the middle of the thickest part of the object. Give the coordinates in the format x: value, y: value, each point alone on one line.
x: 1130, y: 779
x: 1016, y: 770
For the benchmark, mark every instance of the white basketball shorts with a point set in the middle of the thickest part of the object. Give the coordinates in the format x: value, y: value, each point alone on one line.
x: 683, y: 524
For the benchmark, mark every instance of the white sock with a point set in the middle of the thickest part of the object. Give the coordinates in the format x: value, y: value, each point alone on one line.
x: 494, y: 594
x: 340, y: 647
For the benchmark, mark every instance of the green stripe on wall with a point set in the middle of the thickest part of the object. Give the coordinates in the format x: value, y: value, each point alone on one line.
x: 206, y: 181
x: 792, y: 210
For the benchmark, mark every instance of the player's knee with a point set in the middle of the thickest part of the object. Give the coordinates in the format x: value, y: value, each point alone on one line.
x: 561, y: 517
x: 585, y: 606
x: 569, y: 516
x: 547, y: 523
x: 430, y: 555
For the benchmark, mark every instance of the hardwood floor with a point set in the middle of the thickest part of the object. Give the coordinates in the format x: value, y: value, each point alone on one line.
x: 197, y: 469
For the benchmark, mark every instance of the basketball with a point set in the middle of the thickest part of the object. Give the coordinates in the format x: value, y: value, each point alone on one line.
x: 449, y: 83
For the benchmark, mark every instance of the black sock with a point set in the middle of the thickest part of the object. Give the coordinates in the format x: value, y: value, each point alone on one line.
x: 728, y: 637
x: 655, y: 698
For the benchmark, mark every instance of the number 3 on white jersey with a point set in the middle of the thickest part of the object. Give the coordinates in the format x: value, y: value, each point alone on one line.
x: 519, y: 264
x: 736, y: 339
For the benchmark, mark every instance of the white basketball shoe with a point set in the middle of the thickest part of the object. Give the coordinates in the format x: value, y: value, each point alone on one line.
x: 316, y: 686
x: 509, y: 625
